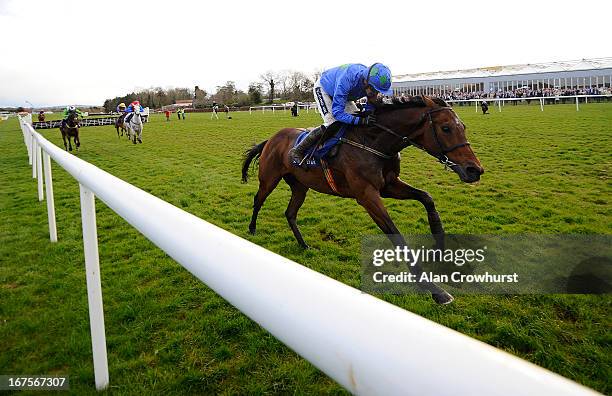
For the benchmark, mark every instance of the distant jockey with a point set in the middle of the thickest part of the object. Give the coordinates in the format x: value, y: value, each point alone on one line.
x: 336, y: 92
x: 69, y: 110
x: 134, y: 104
x: 121, y: 108
x: 130, y: 109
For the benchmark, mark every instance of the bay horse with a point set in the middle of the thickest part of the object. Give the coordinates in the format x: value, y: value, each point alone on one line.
x: 367, y: 167
x: 120, y: 124
x: 70, y: 129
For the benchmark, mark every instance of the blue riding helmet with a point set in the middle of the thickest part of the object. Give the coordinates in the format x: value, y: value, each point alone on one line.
x: 379, y: 77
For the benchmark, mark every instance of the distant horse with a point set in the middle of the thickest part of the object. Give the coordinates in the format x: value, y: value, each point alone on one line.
x: 120, y: 124
x: 70, y: 129
x: 41, y: 117
x: 367, y: 167
x: 133, y: 124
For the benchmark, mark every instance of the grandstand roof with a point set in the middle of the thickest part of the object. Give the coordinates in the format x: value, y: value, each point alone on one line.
x: 529, y: 68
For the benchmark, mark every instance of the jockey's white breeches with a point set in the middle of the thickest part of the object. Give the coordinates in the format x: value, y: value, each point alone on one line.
x: 324, y: 103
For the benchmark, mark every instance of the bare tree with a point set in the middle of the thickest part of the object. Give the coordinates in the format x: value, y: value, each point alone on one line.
x: 199, y: 97
x: 270, y: 78
x: 316, y: 74
x: 226, y: 94
x: 282, y: 81
x: 300, y: 85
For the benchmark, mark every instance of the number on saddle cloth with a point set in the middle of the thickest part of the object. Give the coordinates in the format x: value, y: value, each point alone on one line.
x: 324, y: 150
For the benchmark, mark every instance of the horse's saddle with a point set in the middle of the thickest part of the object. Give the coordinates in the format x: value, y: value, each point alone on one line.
x: 327, y: 150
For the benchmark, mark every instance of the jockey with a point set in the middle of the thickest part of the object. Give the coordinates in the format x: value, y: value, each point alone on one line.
x: 121, y: 111
x: 130, y: 109
x: 335, y: 93
x: 133, y: 105
x: 69, y: 110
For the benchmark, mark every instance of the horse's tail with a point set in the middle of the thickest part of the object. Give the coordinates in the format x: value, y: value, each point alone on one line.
x: 249, y: 155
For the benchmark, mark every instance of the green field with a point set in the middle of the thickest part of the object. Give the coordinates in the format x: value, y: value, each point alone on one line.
x: 546, y: 172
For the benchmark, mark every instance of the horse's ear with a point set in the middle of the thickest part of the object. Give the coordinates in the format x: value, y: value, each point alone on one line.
x: 420, y: 100
x: 427, y: 100
x: 440, y: 102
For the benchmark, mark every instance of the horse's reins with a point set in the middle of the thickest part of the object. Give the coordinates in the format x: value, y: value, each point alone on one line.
x: 408, y: 140
x: 134, y: 115
x: 76, y: 122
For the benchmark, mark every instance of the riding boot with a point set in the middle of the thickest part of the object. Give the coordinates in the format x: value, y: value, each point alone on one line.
x: 296, y: 154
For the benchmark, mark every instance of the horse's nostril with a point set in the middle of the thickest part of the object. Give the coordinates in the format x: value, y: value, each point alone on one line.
x: 473, y: 171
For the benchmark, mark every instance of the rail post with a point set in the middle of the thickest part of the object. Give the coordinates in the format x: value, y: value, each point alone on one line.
x: 27, y: 140
x: 34, y: 150
x: 94, y: 287
x: 50, y: 200
x: 39, y: 172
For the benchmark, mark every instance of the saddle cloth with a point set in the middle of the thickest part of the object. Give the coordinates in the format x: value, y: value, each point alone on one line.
x: 322, y: 150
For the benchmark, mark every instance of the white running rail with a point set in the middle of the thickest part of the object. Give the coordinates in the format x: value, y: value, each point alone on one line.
x: 542, y: 100
x: 367, y: 345
x: 283, y: 107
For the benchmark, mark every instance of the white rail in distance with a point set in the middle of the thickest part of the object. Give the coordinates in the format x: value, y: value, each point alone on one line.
x: 542, y: 100
x: 365, y: 344
x: 306, y: 106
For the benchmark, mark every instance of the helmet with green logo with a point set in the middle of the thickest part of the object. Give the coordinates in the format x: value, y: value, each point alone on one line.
x: 379, y: 77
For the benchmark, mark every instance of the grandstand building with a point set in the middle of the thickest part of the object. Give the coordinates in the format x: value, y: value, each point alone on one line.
x: 578, y: 74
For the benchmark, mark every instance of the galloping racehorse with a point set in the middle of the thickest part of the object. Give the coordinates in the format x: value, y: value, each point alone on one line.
x: 367, y: 167
x: 120, y: 124
x: 70, y: 129
x: 134, y: 125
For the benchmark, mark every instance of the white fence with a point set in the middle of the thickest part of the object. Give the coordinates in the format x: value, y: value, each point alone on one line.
x: 542, y: 100
x: 283, y: 107
x: 365, y: 344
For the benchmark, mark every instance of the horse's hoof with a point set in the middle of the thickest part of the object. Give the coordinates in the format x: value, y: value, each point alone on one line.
x: 443, y: 298
x: 134, y: 141
x: 139, y: 140
x: 305, y: 246
x: 252, y: 230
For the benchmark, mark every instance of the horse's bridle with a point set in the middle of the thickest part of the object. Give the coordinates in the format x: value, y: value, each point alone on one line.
x: 408, y: 140
x: 74, y: 117
x: 134, y: 115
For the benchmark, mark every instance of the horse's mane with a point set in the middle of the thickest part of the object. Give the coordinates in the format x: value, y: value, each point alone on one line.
x: 404, y: 102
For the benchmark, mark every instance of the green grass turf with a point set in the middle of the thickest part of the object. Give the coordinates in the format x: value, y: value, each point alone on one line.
x: 168, y: 333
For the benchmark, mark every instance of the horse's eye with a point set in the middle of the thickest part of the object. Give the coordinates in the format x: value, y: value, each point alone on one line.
x: 446, y: 129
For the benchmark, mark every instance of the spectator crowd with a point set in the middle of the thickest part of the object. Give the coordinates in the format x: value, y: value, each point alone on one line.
x: 525, y: 93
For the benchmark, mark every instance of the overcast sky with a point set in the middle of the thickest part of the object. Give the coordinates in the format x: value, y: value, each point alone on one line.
x: 82, y: 52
